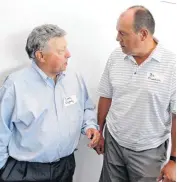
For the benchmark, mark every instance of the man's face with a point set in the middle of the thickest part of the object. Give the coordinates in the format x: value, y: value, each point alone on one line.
x: 56, y: 55
x: 129, y: 40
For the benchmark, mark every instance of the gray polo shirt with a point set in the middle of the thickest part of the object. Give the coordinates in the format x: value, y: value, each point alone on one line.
x: 143, y: 98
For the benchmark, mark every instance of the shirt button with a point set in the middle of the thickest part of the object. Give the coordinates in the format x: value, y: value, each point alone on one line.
x: 134, y: 73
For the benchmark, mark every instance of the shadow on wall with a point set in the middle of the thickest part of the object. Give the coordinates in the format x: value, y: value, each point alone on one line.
x: 15, y: 46
x: 17, y: 58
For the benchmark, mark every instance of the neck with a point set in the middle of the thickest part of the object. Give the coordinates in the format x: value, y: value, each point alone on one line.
x: 50, y: 75
x: 148, y: 50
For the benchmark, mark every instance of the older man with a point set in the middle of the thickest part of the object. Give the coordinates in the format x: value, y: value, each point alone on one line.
x: 138, y: 104
x: 43, y: 110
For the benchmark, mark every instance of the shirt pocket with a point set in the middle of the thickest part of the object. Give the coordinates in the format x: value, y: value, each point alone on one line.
x: 158, y: 94
x: 154, y: 87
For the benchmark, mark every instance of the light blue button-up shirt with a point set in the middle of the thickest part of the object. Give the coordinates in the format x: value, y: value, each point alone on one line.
x: 41, y: 121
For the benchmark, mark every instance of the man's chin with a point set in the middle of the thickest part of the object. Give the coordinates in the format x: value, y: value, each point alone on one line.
x: 63, y: 69
x: 58, y: 72
x: 124, y: 50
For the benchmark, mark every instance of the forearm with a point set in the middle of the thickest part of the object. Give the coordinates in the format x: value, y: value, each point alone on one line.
x: 89, y: 118
x: 103, y: 108
x: 173, y: 135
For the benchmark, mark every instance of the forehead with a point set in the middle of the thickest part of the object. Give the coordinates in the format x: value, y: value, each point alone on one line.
x: 125, y: 21
x: 57, y: 42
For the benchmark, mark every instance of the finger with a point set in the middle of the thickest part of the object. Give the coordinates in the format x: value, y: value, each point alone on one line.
x: 161, y: 177
x: 91, y: 144
x: 89, y: 134
x: 165, y: 179
x: 95, y: 139
x: 102, y: 149
x: 99, y: 150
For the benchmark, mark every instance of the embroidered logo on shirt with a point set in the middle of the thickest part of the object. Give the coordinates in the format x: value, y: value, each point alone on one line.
x: 70, y: 100
x: 155, y: 77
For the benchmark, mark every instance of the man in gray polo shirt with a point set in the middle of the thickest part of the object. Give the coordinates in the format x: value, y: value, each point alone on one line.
x: 137, y: 103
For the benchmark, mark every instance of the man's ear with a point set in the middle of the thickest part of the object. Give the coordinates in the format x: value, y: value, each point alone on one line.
x: 39, y: 56
x: 143, y: 34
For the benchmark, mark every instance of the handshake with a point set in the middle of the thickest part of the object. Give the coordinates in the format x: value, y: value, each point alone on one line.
x: 97, y: 140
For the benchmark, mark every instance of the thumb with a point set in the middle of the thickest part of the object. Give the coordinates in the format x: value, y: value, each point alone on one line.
x: 161, y: 176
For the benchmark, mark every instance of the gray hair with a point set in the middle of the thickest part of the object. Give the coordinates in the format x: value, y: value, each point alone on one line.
x: 143, y: 18
x: 40, y: 36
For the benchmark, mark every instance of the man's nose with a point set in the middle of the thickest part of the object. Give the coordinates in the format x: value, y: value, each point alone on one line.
x: 68, y: 54
x: 118, y: 38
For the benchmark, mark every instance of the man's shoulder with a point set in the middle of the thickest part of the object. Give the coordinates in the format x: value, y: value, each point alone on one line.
x: 167, y: 53
x: 20, y: 75
x: 15, y: 77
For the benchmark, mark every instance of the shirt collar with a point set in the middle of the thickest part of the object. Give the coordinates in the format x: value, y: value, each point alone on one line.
x: 43, y: 75
x: 157, y: 53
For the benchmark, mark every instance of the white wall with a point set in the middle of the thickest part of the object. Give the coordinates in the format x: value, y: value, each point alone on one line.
x: 91, y: 36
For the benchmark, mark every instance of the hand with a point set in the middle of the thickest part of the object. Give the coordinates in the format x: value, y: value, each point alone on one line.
x: 168, y: 172
x: 100, y: 147
x: 94, y: 135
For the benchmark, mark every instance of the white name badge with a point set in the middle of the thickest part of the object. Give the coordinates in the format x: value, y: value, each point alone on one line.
x: 156, y: 77
x: 70, y: 100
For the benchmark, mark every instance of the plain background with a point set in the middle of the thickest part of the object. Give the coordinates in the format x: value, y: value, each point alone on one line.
x: 91, y: 28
